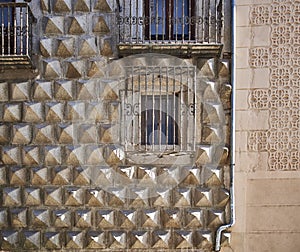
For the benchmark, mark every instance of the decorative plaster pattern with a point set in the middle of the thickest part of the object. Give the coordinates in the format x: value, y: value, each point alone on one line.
x: 281, y: 141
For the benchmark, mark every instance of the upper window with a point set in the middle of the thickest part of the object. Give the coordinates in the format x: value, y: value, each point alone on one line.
x: 15, y: 28
x: 170, y: 21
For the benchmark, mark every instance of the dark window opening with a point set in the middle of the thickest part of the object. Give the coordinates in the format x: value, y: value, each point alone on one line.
x: 159, y: 120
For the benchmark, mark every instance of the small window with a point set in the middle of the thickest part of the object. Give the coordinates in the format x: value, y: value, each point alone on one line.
x: 158, y: 109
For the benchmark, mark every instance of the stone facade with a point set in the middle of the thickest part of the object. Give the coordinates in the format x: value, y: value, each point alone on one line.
x: 66, y: 180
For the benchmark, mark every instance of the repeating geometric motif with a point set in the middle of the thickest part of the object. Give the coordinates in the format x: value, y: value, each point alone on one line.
x: 282, y: 59
x: 58, y: 153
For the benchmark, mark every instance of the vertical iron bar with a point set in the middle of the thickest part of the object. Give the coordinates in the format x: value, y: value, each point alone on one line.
x: 163, y: 20
x: 180, y: 109
x: 15, y: 31
x: 137, y: 22
x: 190, y: 18
x: 2, y: 31
x: 174, y: 119
x: 170, y: 20
x: 212, y: 23
x: 167, y: 106
x: 146, y: 108
x: 139, y: 107
x: 176, y: 20
x: 182, y: 21
x: 153, y: 107
x: 160, y: 111
x: 156, y: 21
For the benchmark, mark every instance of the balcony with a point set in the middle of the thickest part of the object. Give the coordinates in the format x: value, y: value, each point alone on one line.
x: 15, y: 35
x: 183, y: 28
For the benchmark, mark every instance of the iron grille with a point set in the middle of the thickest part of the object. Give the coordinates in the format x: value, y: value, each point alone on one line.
x: 15, y: 31
x: 171, y: 21
x: 158, y: 109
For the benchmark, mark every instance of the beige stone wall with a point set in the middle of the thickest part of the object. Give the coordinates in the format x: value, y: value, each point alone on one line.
x: 267, y: 173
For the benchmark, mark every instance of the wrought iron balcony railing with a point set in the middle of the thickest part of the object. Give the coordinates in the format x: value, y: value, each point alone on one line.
x: 150, y: 22
x: 15, y: 32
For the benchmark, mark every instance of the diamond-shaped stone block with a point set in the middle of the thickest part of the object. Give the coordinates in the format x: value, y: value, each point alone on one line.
x: 95, y: 197
x: 66, y: 133
x: 87, y: 133
x: 52, y: 240
x: 161, y: 197
x: 75, y: 69
x: 100, y: 25
x: 161, y: 239
x: 11, y: 155
x: 53, y: 196
x: 82, y: 6
x: 54, y: 25
x: 17, y: 175
x: 102, y: 175
x: 12, y: 112
x: 64, y: 90
x: 95, y: 68
x: 65, y: 47
x: 138, y: 240
x: 32, y: 196
x: 202, y: 197
x: 4, y: 91
x: 138, y: 197
x: 54, y: 111
x: 39, y: 176
x: 213, y: 176
x: 43, y: 134
x: 193, y: 218
x: 62, y: 6
x: 82, y: 175
x: 83, y: 218
x: 203, y: 239
x: 46, y: 46
x: 33, y: 112
x: 18, y: 217
x: 182, y: 197
x: 12, y: 196
x: 96, y: 112
x: 171, y: 218
x: 150, y: 218
x: 78, y: 24
x: 117, y: 240
x: 86, y: 89
x: 41, y: 218
x: 215, y: 218
x: 31, y: 155
x: 106, y: 219
x: 32, y: 240
x: 116, y: 197
x: 74, y: 196
x: 127, y: 219
x: 74, y: 240
x: 62, y: 218
x: 61, y: 175
x: 43, y: 90
x: 96, y: 240
x: 51, y: 69
x: 108, y: 133
x: 75, y: 155
x: 53, y: 155
x: 75, y: 111
x: 10, y: 239
x: 94, y: 155
x: 183, y: 239
x: 88, y: 47
x: 20, y: 91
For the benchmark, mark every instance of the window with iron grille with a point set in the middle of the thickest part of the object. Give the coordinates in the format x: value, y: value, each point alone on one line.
x: 15, y: 30
x: 158, y: 109
x: 177, y: 21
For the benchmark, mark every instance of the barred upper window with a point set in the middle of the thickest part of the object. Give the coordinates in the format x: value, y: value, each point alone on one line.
x: 182, y: 21
x: 15, y: 28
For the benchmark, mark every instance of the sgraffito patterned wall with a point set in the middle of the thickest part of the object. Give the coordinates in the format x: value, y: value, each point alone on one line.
x: 281, y: 99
